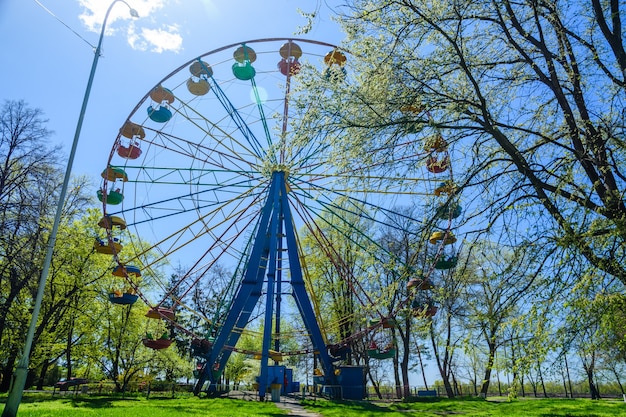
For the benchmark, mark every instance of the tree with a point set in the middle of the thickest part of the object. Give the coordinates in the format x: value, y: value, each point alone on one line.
x: 530, y: 342
x: 211, y: 298
x: 500, y: 282
x: 406, y: 258
x: 28, y: 181
x: 337, y: 258
x: 120, y: 334
x: 444, y: 330
x: 65, y: 321
x: 237, y: 369
x: 171, y: 365
x: 344, y: 263
x: 594, y: 324
x: 531, y: 92
x: 612, y: 314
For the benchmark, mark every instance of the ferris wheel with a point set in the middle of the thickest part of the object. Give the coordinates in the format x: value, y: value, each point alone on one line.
x: 215, y: 169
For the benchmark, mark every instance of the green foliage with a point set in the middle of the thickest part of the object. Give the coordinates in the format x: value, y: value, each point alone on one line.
x: 336, y: 255
x: 238, y: 369
x: 613, y: 323
x: 29, y: 179
x: 527, y: 96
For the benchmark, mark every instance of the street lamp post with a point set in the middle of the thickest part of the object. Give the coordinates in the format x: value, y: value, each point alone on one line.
x: 21, y: 372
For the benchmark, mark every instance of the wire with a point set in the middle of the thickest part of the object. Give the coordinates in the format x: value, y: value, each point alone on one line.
x: 64, y: 24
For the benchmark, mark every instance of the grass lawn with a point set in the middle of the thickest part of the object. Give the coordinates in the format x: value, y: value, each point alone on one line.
x: 83, y: 406
x: 494, y: 407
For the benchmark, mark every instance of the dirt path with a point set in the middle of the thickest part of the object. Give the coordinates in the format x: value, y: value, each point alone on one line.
x: 295, y: 409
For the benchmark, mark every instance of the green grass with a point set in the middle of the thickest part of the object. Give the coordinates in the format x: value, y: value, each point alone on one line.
x: 474, y: 407
x: 88, y: 406
x: 141, y: 407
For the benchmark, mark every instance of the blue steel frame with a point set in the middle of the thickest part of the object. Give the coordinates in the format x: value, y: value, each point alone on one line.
x: 275, y: 223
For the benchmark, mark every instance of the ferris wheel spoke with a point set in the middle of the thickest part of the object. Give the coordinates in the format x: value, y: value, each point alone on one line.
x: 218, y: 154
x: 222, y: 138
x: 220, y: 247
x: 329, y: 192
x: 345, y: 216
x: 235, y: 116
x: 194, y: 202
x: 212, y: 179
x: 214, y: 189
x: 309, y: 153
x: 335, y: 258
x: 359, y: 208
x: 262, y: 117
x: 222, y: 225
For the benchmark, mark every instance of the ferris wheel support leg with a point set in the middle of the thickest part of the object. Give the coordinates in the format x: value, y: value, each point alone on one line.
x: 300, y: 294
x: 273, y: 237
x: 279, y: 280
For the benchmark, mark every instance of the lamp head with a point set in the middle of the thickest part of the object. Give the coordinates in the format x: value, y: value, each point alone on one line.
x: 134, y: 13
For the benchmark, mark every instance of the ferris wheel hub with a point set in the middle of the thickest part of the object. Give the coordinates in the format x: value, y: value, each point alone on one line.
x: 270, y: 169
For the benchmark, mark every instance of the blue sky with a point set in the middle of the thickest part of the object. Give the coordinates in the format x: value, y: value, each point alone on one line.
x: 46, y: 64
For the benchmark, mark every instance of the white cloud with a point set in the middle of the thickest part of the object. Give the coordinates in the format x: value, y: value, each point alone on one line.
x: 94, y: 11
x: 135, y: 41
x: 139, y: 35
x: 160, y: 40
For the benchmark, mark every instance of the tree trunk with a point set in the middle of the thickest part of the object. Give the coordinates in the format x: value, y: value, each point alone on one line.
x: 513, y: 366
x: 595, y: 395
x: 68, y: 349
x: 619, y: 382
x: 543, y: 385
x: 457, y: 388
x: 7, y: 373
x: 374, y: 384
x: 406, y: 350
x: 419, y: 357
x: 484, y: 389
x: 589, y: 367
x: 42, y: 374
x: 443, y: 363
x: 569, y: 379
x: 406, y: 386
x: 564, y: 382
x: 396, y: 376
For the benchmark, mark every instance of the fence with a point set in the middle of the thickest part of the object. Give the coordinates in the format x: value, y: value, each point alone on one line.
x: 387, y: 392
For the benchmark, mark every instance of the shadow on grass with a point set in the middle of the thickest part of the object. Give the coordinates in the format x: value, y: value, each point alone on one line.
x: 443, y: 399
x: 427, y: 405
x: 87, y: 402
x: 98, y: 402
x: 361, y: 406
